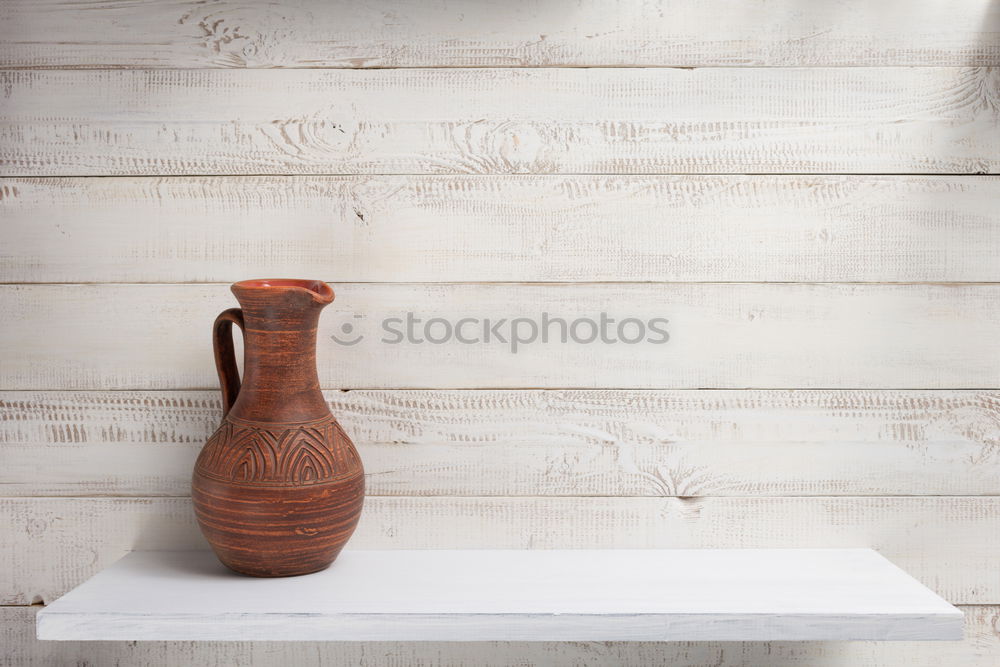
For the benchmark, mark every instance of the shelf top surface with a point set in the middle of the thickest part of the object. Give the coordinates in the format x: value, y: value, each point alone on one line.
x: 508, y: 594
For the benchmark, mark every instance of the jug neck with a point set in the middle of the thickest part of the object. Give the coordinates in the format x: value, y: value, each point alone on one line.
x: 280, y: 382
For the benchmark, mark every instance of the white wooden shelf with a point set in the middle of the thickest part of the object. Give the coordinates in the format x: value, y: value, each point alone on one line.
x: 608, y: 595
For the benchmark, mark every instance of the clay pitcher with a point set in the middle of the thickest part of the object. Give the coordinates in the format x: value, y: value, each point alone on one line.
x: 278, y: 488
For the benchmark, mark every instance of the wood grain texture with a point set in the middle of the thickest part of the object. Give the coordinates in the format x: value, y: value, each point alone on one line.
x: 387, y: 33
x: 507, y: 228
x: 978, y: 649
x: 720, y: 336
x: 538, y: 443
x: 948, y: 543
x: 496, y: 121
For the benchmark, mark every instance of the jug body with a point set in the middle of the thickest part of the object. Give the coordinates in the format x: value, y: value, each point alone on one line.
x: 278, y: 488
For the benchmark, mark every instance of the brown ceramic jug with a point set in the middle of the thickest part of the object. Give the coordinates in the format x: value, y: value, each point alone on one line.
x: 278, y: 488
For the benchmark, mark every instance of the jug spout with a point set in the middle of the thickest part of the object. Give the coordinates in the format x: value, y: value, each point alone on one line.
x: 282, y: 291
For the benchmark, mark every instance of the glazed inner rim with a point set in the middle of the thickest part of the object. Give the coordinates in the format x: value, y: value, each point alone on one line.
x: 317, y: 287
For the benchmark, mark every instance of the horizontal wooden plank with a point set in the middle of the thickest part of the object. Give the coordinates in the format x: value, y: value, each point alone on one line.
x: 948, y: 543
x: 508, y: 228
x: 978, y: 649
x: 511, y: 594
x: 602, y: 120
x: 715, y: 336
x: 538, y: 443
x: 384, y: 33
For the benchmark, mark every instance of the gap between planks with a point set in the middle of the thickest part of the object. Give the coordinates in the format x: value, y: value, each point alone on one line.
x: 118, y: 68
x: 535, y: 496
x: 539, y: 283
x: 526, y: 388
x: 569, y: 174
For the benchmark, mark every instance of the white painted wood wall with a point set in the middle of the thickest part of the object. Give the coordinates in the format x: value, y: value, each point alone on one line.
x: 805, y: 189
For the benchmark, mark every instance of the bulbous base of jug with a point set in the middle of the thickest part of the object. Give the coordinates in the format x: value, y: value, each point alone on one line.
x: 278, y: 532
x: 278, y: 500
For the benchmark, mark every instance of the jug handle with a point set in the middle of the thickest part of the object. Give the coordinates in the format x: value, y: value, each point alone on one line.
x: 225, y: 355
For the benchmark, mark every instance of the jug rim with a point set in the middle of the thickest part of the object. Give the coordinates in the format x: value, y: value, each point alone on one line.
x: 318, y: 289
